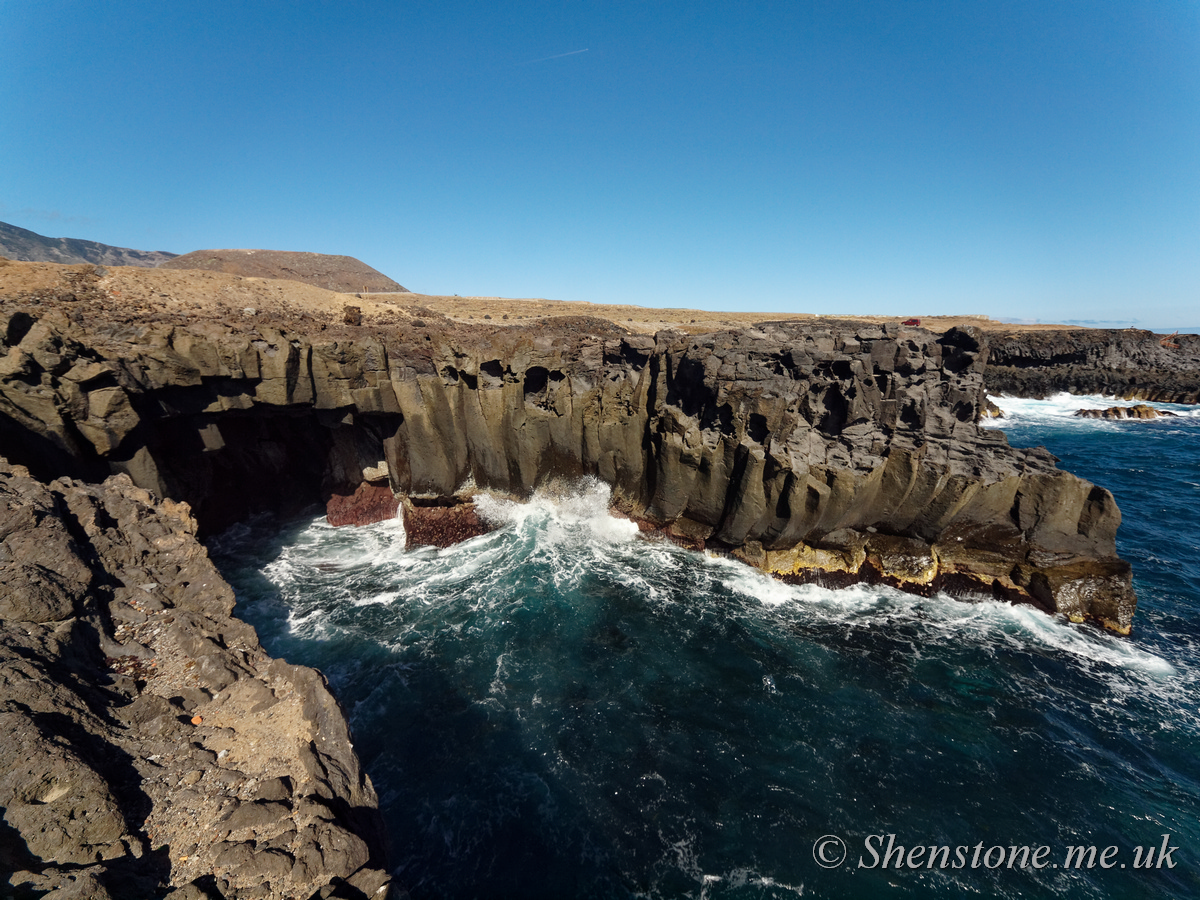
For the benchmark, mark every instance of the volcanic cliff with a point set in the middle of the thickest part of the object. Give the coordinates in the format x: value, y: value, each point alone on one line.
x: 837, y: 450
x: 1127, y: 362
x: 146, y: 740
x: 830, y: 450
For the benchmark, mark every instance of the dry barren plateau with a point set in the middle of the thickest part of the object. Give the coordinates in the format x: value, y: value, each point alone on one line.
x: 126, y: 293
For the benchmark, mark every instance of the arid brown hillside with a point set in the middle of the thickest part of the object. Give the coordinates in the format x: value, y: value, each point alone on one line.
x: 334, y: 273
x: 133, y: 296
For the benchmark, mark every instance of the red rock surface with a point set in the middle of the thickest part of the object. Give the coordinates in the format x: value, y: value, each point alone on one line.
x: 441, y: 526
x: 369, y: 504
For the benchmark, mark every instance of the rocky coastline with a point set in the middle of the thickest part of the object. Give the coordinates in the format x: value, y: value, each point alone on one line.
x: 1126, y: 363
x: 834, y: 451
x: 831, y: 451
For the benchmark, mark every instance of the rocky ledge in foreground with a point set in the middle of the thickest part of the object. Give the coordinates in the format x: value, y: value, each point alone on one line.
x: 148, y: 745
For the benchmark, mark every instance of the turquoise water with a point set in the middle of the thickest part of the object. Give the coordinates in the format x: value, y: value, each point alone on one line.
x: 564, y: 708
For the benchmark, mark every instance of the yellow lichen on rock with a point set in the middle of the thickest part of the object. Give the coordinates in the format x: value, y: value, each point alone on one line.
x: 804, y: 558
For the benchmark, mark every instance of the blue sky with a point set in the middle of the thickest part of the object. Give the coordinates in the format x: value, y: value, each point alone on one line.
x: 1035, y: 160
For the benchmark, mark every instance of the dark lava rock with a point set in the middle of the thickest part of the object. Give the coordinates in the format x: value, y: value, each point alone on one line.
x: 772, y: 437
x: 1128, y: 363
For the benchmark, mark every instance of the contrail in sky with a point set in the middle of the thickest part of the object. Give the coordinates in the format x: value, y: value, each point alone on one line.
x: 556, y: 56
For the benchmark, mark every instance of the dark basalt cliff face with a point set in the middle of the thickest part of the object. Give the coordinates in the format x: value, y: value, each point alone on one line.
x: 1126, y: 363
x: 841, y: 452
x: 148, y: 745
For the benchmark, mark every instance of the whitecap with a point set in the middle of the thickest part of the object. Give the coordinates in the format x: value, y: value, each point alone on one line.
x: 981, y: 619
x: 385, y: 598
x: 752, y: 583
x: 1061, y: 409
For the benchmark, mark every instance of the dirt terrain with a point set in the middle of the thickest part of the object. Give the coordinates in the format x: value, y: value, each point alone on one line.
x: 648, y: 320
x: 136, y: 295
x: 335, y: 273
x: 174, y: 295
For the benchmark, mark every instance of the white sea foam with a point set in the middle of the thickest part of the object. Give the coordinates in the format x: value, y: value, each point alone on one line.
x: 324, y: 547
x: 1061, y: 408
x: 737, y: 576
x: 310, y: 624
x: 747, y: 877
x: 582, y: 507
x: 575, y: 534
x: 377, y: 599
x: 982, y: 620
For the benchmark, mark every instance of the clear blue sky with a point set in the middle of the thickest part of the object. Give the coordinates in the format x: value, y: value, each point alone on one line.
x: 1035, y: 160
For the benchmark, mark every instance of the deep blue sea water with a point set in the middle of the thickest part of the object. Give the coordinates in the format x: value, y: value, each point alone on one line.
x: 564, y: 708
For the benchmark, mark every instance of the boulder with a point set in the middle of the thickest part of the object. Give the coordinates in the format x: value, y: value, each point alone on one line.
x: 441, y: 526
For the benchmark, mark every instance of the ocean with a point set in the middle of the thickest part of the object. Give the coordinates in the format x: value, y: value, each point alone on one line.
x: 566, y: 708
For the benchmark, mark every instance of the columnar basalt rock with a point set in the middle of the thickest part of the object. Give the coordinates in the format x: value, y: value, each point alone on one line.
x: 148, y: 745
x: 835, y: 450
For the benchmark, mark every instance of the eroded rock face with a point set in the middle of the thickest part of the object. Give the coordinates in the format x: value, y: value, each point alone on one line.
x: 805, y: 449
x: 1128, y: 363
x: 147, y: 743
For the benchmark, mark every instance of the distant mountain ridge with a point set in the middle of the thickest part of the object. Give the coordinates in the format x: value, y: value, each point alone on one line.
x: 23, y: 244
x: 334, y: 273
